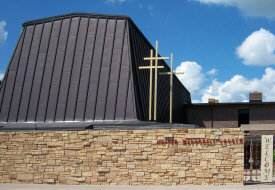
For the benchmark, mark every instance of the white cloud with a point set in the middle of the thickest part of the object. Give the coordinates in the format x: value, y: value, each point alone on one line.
x: 238, y: 88
x: 249, y: 8
x: 3, y: 33
x: 212, y: 72
x: 1, y: 76
x: 193, y: 78
x: 114, y: 1
x: 258, y: 48
x: 140, y: 6
x: 234, y: 90
x: 150, y: 7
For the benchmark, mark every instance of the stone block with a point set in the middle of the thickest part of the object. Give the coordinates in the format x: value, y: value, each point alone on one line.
x: 221, y: 176
x: 240, y: 162
x: 49, y: 180
x: 154, y: 175
x: 51, y: 162
x: 105, y: 139
x: 236, y: 169
x: 141, y: 157
x: 129, y: 158
x: 8, y: 168
x: 101, y: 178
x: 78, y: 161
x: 100, y: 152
x: 216, y: 162
x: 87, y: 174
x: 194, y: 136
x: 24, y: 177
x: 119, y: 148
x: 51, y: 175
x: 217, y: 132
x: 13, y: 176
x: 103, y: 170
x: 201, y: 175
x: 171, y: 152
x: 208, y: 155
x: 166, y: 166
x: 59, y: 168
x: 30, y: 147
x: 183, y: 158
x: 70, y: 152
x: 35, y: 152
x: 214, y: 137
x: 73, y: 135
x: 131, y: 146
x: 203, y: 164
x: 140, y: 131
x: 197, y: 182
x: 55, y: 143
x: 168, y: 135
x: 181, y: 173
x: 72, y: 182
x: 139, y: 174
x: 131, y: 166
x: 81, y: 179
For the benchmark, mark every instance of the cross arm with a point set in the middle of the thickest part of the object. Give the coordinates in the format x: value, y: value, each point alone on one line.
x: 165, y: 73
x: 153, y: 58
x: 150, y: 67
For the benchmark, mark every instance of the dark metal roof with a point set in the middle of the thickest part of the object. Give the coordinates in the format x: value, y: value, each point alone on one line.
x: 83, y: 67
x: 75, y: 14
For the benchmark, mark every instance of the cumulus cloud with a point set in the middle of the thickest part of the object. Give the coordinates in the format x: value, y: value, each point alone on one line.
x: 3, y: 33
x: 234, y: 90
x: 212, y: 72
x: 258, y: 48
x: 193, y: 78
x: 249, y: 8
x: 238, y: 88
x: 1, y: 76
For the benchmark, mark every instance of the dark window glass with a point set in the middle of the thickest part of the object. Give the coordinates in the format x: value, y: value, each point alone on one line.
x: 243, y: 116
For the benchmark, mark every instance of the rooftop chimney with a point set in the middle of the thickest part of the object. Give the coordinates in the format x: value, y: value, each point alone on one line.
x: 212, y: 100
x: 255, y: 96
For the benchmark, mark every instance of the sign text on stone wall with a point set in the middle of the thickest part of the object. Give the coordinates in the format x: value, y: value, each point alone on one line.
x: 200, y: 141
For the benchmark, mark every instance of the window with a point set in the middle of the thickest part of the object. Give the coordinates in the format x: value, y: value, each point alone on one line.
x: 243, y: 116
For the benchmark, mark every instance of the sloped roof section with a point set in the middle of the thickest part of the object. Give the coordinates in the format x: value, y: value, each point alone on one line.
x: 83, y: 67
x: 71, y: 67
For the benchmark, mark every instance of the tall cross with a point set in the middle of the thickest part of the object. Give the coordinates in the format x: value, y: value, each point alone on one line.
x: 171, y: 73
x: 151, y: 58
x: 151, y: 67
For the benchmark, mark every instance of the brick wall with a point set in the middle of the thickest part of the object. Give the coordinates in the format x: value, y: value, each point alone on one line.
x: 124, y: 157
x: 226, y: 116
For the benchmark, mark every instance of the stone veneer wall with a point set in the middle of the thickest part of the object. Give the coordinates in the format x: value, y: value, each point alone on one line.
x: 122, y: 157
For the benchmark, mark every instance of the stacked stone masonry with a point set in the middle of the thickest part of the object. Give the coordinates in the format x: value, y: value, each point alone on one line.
x: 122, y: 157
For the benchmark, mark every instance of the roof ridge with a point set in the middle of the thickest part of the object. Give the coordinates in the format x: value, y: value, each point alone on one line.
x: 72, y: 15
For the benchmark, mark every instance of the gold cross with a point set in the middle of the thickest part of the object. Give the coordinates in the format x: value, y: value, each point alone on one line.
x: 151, y: 58
x: 151, y: 67
x: 171, y: 84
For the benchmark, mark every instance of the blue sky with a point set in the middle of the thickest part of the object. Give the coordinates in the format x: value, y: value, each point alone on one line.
x: 225, y: 47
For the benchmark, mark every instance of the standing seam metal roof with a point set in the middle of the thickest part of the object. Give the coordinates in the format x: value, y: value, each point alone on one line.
x: 80, y: 67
